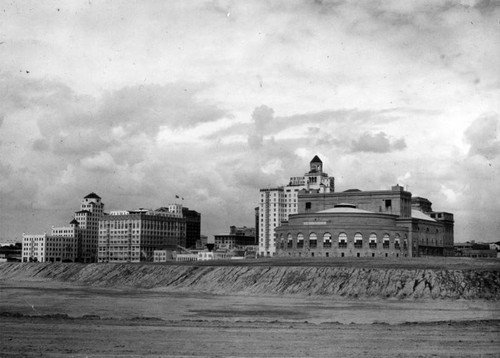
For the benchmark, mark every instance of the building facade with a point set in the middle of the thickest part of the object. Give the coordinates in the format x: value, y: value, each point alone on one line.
x: 79, y: 238
x: 49, y: 248
x: 383, y: 223
x: 91, y: 211
x: 134, y: 236
x: 238, y: 238
x: 193, y: 227
x: 277, y: 204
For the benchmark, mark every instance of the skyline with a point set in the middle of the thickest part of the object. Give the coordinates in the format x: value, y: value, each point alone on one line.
x: 213, y: 100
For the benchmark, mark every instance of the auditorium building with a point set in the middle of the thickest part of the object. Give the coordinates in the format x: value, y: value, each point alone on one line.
x: 355, y: 223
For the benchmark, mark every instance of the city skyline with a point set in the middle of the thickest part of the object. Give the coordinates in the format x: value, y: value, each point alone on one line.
x: 213, y: 100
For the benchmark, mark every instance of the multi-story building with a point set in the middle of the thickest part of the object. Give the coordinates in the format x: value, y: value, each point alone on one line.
x: 378, y: 223
x: 48, y: 248
x: 238, y: 238
x: 193, y: 226
x: 91, y: 211
x: 276, y: 204
x: 134, y: 236
x: 79, y: 238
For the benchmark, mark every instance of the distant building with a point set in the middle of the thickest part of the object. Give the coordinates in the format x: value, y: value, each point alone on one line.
x: 238, y: 238
x: 48, y: 248
x: 134, y: 236
x: 308, y: 218
x: 201, y: 244
x: 473, y: 249
x: 91, y: 211
x: 79, y: 238
x: 277, y: 204
x: 162, y: 255
x: 193, y: 227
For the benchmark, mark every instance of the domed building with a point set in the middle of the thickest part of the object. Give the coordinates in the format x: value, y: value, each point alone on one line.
x: 343, y: 230
x: 355, y: 223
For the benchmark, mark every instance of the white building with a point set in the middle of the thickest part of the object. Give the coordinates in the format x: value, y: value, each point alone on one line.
x: 76, y: 242
x: 48, y: 248
x: 91, y: 211
x: 140, y: 235
x: 276, y: 204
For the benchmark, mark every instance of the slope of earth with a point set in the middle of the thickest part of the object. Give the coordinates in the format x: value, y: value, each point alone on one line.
x: 446, y: 278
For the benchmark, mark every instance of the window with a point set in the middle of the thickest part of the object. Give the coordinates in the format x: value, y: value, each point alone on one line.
x: 386, y: 241
x: 313, y: 240
x: 290, y: 241
x: 373, y: 241
x: 308, y: 205
x: 327, y: 240
x: 358, y: 241
x: 300, y: 241
x: 342, y: 240
x: 388, y: 203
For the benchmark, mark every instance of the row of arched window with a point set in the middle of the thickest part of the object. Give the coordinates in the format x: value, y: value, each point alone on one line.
x: 342, y: 240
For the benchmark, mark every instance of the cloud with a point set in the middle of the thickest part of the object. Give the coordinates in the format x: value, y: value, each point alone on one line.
x: 377, y: 143
x: 262, y: 118
x: 483, y: 136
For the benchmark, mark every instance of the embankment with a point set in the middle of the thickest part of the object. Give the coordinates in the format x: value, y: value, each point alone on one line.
x: 270, y: 280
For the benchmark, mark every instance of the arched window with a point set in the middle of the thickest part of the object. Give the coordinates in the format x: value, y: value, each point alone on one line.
x: 405, y: 243
x: 300, y: 241
x: 397, y: 242
x: 342, y: 240
x: 386, y: 241
x: 358, y: 241
x: 373, y: 241
x: 327, y: 240
x: 282, y: 241
x: 290, y: 241
x: 313, y: 240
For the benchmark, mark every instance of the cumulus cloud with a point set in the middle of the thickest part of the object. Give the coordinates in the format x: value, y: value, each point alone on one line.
x: 262, y: 117
x: 483, y: 137
x: 377, y: 143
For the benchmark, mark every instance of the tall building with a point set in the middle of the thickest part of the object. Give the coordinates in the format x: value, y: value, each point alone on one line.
x: 193, y: 227
x: 79, y: 239
x: 276, y: 204
x: 133, y: 236
x: 91, y: 211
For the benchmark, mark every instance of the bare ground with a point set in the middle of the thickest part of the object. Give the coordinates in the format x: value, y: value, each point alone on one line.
x: 53, y: 319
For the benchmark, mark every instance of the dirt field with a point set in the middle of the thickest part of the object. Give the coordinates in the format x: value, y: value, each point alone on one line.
x: 60, y: 320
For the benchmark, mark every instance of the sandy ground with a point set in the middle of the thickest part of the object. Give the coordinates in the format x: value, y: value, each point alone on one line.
x: 53, y: 320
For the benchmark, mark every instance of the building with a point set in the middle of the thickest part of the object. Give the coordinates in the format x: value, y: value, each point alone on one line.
x: 379, y: 223
x: 91, y: 211
x: 473, y: 249
x: 48, y: 248
x: 193, y: 226
x: 134, y: 236
x: 276, y: 204
x: 238, y: 238
x: 79, y: 238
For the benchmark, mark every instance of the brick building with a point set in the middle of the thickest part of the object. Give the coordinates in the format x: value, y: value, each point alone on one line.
x: 382, y: 223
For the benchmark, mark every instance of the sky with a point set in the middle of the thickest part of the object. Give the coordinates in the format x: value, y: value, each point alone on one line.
x: 140, y: 101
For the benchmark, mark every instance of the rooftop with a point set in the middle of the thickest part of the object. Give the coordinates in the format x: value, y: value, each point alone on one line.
x: 92, y: 196
x: 417, y: 214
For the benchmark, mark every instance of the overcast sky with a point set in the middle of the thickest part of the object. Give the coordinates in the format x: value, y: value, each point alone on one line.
x: 140, y: 101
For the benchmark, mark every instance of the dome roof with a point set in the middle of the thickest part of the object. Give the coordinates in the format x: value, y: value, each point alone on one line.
x: 344, y: 208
